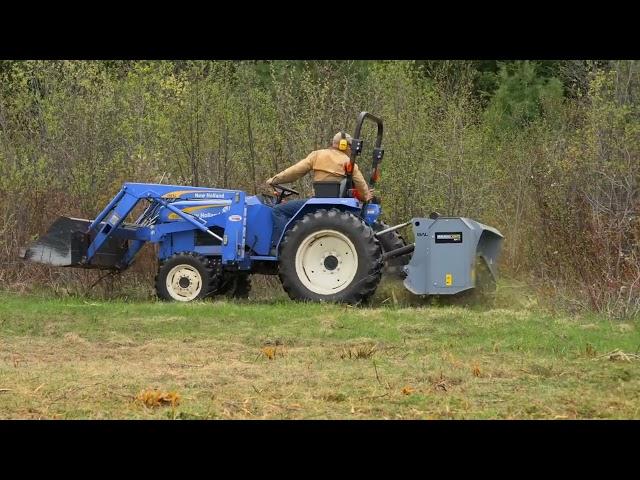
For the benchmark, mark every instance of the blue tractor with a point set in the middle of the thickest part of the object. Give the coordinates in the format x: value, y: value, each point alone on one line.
x: 210, y: 241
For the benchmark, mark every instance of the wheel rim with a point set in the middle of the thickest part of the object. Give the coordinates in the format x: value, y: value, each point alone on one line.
x: 326, y: 262
x: 184, y: 283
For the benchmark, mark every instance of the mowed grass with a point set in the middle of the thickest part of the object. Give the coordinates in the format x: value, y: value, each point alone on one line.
x: 88, y: 359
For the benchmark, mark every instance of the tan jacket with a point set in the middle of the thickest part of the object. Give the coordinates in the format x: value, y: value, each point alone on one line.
x: 327, y: 164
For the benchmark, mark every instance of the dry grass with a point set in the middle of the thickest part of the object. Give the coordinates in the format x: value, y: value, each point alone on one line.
x: 86, y: 359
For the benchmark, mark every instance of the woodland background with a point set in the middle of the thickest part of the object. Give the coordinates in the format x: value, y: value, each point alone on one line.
x: 545, y: 151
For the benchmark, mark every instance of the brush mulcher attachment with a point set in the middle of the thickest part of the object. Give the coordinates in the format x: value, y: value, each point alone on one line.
x: 450, y: 255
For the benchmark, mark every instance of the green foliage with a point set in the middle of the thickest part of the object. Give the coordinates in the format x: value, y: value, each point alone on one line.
x: 521, y: 95
x: 542, y: 150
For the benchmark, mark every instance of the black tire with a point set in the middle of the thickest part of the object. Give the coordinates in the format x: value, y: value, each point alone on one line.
x: 197, y: 262
x: 235, y: 285
x: 367, y: 274
x: 391, y: 241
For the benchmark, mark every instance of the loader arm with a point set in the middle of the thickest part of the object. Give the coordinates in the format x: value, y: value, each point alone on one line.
x: 125, y: 202
x: 100, y: 243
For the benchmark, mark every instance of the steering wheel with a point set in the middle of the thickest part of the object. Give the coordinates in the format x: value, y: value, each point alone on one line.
x: 284, y: 193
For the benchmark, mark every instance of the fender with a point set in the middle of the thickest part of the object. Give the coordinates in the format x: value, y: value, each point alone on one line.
x: 348, y: 204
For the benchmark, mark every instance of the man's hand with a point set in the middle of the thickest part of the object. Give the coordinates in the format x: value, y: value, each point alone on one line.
x: 370, y: 194
x: 269, y: 183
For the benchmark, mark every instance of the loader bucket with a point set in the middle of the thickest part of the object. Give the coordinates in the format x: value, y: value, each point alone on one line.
x: 65, y: 245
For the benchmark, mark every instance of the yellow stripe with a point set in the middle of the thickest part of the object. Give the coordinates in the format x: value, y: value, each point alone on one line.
x: 174, y: 216
x: 179, y: 193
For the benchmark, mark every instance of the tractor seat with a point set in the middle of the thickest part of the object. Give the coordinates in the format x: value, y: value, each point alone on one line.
x: 330, y: 189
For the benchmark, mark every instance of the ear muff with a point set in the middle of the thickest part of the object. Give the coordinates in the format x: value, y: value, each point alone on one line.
x: 343, y: 142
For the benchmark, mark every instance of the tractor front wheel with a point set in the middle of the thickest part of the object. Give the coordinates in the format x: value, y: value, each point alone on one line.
x: 184, y: 277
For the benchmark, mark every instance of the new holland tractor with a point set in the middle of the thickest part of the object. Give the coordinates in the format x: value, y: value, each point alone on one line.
x: 210, y: 240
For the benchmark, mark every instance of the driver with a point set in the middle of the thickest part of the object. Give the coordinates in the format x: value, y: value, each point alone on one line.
x: 327, y: 164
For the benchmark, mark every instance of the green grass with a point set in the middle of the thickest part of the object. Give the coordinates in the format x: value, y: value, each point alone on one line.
x: 83, y: 358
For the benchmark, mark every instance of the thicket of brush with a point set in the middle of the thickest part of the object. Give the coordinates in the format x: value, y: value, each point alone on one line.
x: 547, y: 152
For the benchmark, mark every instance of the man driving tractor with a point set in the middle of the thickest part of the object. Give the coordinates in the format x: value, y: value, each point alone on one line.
x: 328, y: 165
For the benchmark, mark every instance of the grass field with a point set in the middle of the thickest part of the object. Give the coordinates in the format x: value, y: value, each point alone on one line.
x: 82, y: 358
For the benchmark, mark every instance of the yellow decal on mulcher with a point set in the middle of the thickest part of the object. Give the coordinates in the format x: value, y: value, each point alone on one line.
x: 448, y: 279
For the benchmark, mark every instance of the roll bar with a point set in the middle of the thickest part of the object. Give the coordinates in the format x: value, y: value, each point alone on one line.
x: 356, y: 148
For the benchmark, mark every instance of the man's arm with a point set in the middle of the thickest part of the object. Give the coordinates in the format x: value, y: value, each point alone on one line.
x: 360, y: 183
x: 294, y: 172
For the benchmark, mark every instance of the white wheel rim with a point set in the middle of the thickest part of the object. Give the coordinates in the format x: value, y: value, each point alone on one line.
x: 326, y: 262
x: 184, y: 283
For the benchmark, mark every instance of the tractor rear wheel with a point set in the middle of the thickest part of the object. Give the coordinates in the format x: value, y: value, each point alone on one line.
x: 184, y: 277
x: 330, y: 255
